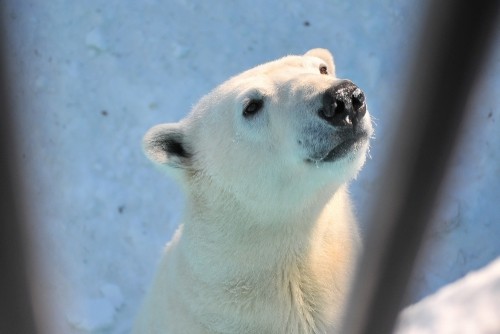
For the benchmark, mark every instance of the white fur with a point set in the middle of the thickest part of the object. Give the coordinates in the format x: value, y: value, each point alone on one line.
x: 268, y: 240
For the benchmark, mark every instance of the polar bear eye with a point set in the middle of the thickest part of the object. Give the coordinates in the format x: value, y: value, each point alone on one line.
x: 323, y: 69
x: 252, y: 108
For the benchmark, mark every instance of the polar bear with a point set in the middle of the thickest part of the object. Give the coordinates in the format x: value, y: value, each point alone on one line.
x: 268, y: 239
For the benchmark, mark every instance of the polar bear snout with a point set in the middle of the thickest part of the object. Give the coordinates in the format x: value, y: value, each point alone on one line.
x: 343, y: 104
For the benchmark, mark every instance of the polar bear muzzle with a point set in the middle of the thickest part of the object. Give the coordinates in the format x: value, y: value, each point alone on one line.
x: 343, y: 107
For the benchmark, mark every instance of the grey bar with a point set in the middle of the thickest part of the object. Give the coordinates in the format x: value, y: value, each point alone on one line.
x: 453, y: 45
x: 16, y: 312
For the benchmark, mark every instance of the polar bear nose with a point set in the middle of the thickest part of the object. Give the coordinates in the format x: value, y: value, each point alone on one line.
x: 343, y: 104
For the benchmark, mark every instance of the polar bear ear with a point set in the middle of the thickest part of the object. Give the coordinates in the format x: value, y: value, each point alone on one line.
x: 165, y: 144
x: 324, y: 55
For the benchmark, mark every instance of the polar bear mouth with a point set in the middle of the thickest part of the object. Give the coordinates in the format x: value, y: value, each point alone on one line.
x: 343, y: 149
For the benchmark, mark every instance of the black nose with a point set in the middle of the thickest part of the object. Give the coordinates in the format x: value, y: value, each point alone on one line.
x: 343, y: 104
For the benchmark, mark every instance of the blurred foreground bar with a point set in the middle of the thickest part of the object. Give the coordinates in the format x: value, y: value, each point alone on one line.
x: 455, y: 39
x: 16, y: 311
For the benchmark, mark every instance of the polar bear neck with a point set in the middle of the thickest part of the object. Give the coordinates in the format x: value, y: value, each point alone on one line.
x: 283, y: 268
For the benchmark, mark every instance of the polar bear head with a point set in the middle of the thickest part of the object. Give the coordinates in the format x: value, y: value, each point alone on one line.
x: 273, y: 138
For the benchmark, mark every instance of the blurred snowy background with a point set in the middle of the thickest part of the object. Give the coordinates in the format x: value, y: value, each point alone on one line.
x: 93, y: 76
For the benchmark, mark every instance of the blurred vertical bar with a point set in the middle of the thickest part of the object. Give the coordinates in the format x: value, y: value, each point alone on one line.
x: 454, y: 41
x: 16, y: 311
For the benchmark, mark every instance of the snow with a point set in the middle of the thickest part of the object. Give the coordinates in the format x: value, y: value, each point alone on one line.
x: 98, y: 313
x: 93, y: 76
x: 94, y: 313
x: 470, y: 305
